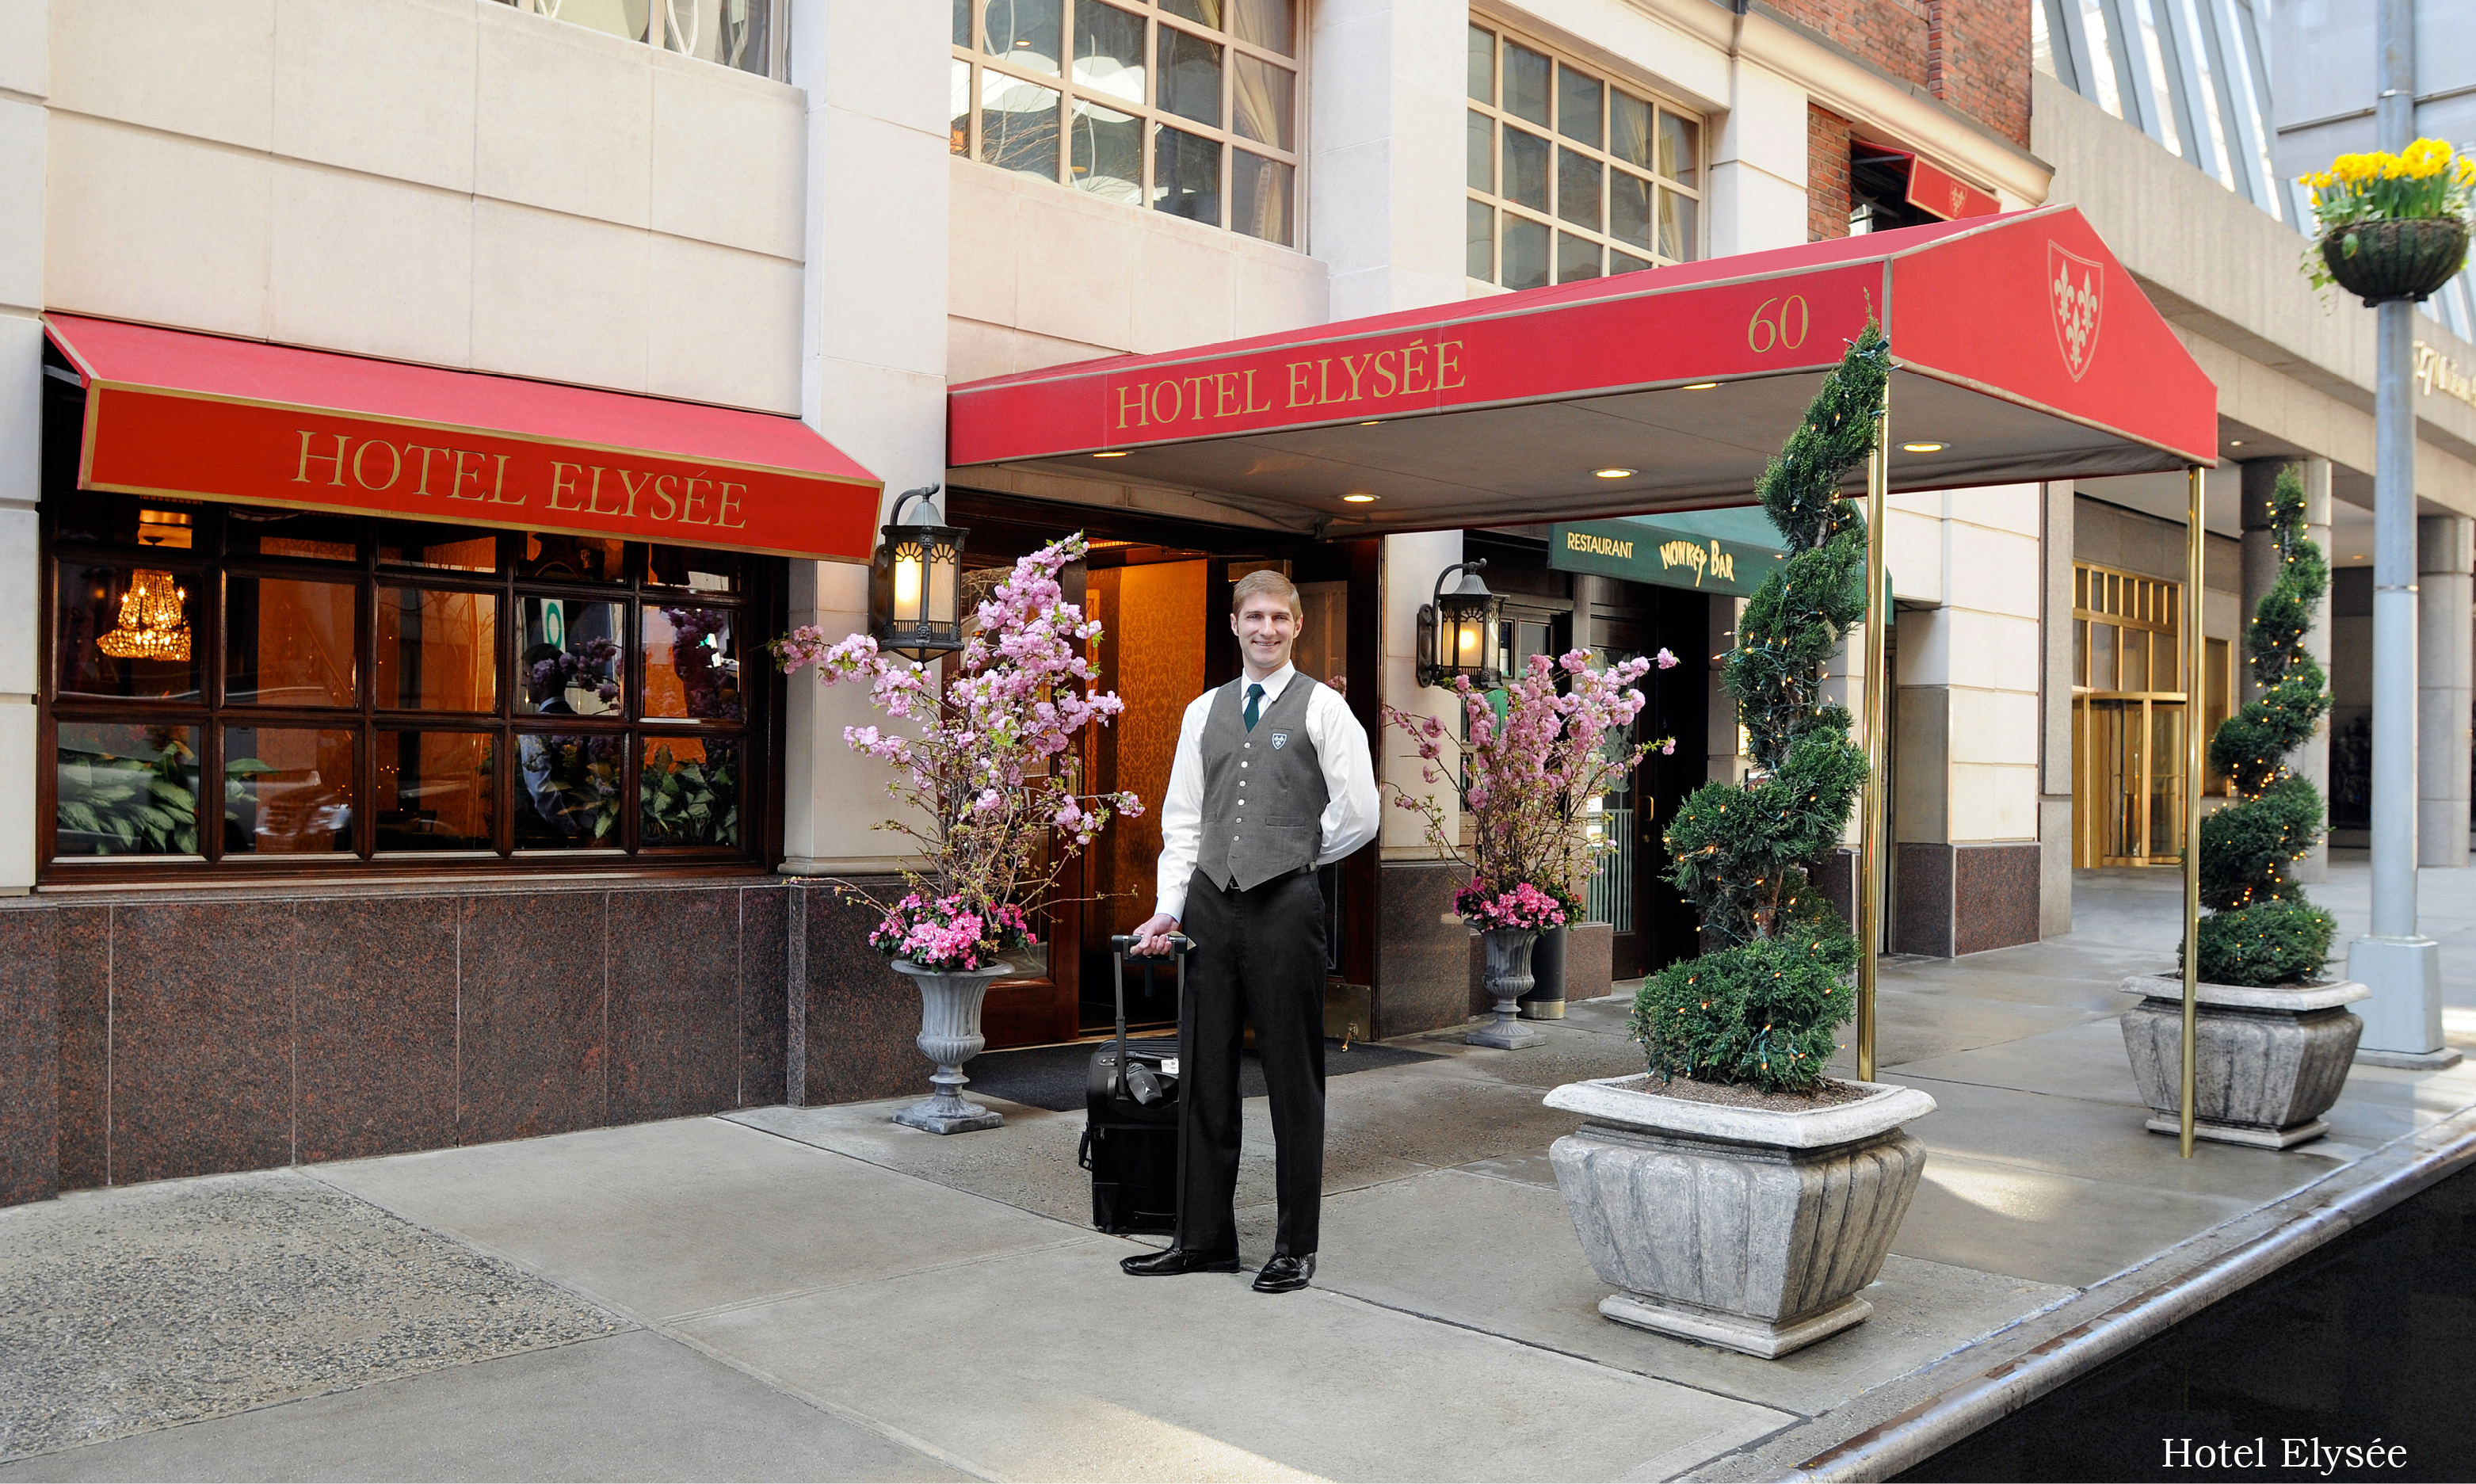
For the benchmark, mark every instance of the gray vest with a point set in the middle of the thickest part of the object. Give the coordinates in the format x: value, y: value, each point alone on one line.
x: 1263, y: 790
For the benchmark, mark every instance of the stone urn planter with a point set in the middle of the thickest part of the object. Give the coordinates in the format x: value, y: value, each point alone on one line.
x: 949, y: 1035
x: 1751, y: 1228
x: 2267, y: 1063
x: 2380, y: 260
x: 1508, y: 976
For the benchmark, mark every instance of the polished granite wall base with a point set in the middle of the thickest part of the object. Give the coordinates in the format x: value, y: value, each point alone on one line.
x: 145, y: 1038
x: 1423, y: 950
x: 1964, y: 899
x: 858, y: 1019
x: 1995, y: 896
x: 29, y: 1058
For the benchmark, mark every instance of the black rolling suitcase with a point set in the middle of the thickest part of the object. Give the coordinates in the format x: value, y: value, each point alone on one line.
x: 1130, y: 1103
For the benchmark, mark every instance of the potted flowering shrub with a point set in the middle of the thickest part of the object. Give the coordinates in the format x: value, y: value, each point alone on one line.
x: 1733, y: 1194
x: 2391, y: 226
x: 1527, y: 773
x: 989, y: 774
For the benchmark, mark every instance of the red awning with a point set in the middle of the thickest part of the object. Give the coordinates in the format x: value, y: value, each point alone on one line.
x: 2025, y: 351
x: 174, y: 414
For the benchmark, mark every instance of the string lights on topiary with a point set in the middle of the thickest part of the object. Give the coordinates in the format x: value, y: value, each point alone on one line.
x: 1762, y: 1008
x: 2261, y: 931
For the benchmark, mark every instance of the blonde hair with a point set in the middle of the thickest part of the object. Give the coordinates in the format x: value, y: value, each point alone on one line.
x: 1266, y: 580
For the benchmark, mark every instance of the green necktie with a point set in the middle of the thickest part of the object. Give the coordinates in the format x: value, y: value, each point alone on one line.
x: 1254, y: 694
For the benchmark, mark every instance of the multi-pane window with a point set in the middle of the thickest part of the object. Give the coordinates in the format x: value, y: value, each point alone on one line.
x: 1188, y: 107
x: 1571, y: 175
x: 231, y: 684
x: 737, y: 34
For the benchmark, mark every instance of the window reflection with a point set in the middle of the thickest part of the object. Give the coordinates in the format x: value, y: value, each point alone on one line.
x: 436, y: 790
x: 1576, y: 258
x: 1019, y: 125
x: 1025, y: 32
x: 1577, y: 106
x: 1186, y: 176
x: 436, y: 651
x: 1260, y: 196
x: 571, y: 659
x: 1578, y: 188
x: 450, y: 547
x: 1109, y: 52
x: 1525, y: 83
x: 1108, y: 153
x: 287, y: 791
x: 568, y: 790
x: 691, y: 664
x: 1190, y: 76
x: 126, y: 789
x: 287, y: 534
x: 1261, y: 100
x: 288, y: 642
x: 572, y: 558
x: 688, y: 792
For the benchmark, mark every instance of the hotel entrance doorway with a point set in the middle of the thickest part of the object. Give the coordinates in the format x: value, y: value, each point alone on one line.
x: 1161, y: 589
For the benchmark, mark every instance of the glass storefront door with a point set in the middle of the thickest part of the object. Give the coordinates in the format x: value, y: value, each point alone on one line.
x: 2129, y: 710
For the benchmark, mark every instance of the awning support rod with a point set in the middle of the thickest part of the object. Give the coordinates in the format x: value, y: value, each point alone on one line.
x: 1871, y: 874
x: 2194, y: 538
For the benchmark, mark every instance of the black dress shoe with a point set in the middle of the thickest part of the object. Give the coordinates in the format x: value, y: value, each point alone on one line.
x: 1285, y: 1275
x: 1171, y: 1261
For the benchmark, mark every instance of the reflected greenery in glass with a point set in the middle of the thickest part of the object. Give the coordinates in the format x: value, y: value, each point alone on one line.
x: 127, y: 790
x: 689, y: 792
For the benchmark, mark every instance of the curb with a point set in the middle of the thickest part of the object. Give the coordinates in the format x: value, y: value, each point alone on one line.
x: 1993, y: 1377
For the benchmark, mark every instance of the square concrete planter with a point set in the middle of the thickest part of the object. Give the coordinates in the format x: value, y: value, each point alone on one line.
x: 1748, y: 1229
x: 2267, y: 1063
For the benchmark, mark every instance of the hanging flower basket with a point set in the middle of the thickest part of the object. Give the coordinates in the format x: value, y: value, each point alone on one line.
x: 2380, y: 260
x: 2391, y: 226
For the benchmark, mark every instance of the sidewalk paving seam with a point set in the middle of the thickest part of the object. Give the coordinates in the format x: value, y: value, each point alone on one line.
x: 785, y: 1296
x: 2201, y: 1269
x: 1792, y: 1416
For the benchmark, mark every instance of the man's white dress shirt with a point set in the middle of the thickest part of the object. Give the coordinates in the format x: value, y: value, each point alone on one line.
x: 1351, y: 813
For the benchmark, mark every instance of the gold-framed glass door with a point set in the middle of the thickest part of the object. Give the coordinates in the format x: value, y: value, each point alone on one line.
x: 2129, y: 710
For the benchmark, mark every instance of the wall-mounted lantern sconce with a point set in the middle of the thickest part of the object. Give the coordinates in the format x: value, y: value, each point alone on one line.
x: 1459, y: 632
x: 914, y: 580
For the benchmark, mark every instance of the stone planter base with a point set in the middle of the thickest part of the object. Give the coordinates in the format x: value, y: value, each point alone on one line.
x: 1748, y: 1229
x: 1730, y: 1331
x: 2267, y: 1062
x: 1508, y: 978
x: 949, y: 1035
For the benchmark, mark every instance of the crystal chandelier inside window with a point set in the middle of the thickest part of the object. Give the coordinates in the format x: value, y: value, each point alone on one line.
x: 154, y: 623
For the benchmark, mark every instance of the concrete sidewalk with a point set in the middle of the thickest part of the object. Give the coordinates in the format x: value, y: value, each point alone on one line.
x: 819, y: 1294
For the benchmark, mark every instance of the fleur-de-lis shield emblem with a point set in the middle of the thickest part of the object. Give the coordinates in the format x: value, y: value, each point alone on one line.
x: 2077, y: 294
x: 1280, y: 740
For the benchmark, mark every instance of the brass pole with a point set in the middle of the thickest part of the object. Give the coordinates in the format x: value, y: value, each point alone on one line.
x: 2190, y: 616
x: 1871, y: 869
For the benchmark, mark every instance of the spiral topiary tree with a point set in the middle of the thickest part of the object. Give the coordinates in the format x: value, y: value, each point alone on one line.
x: 2261, y: 931
x: 1762, y: 1008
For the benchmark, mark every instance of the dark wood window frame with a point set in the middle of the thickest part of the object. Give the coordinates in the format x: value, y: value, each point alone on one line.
x: 757, y: 605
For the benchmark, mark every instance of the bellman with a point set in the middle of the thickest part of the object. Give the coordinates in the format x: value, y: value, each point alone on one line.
x: 1271, y: 779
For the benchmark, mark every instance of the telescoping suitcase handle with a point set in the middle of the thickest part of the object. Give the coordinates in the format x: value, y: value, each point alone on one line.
x: 1120, y: 949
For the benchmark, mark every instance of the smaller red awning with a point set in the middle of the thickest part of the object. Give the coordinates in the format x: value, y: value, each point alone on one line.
x: 174, y: 414
x: 1932, y: 189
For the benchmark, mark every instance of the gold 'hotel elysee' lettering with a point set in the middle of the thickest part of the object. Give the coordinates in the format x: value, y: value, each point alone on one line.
x: 1417, y: 369
x: 465, y: 474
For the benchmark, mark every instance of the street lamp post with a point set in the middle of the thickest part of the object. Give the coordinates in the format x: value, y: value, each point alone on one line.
x: 2401, y: 966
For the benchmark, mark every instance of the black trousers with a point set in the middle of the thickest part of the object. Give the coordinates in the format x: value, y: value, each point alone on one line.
x: 1260, y: 958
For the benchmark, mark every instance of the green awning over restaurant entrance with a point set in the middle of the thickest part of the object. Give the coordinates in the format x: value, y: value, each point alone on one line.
x: 1728, y: 550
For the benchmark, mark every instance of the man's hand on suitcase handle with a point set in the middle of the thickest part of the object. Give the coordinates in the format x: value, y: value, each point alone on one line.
x: 1151, y: 937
